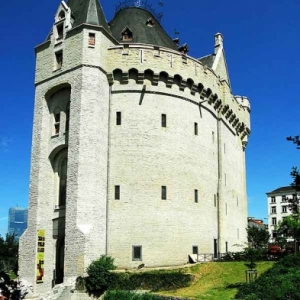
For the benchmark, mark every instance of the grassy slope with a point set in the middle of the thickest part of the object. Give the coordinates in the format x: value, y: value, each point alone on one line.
x: 212, y: 280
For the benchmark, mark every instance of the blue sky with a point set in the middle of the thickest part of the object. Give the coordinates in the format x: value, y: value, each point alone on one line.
x: 262, y: 49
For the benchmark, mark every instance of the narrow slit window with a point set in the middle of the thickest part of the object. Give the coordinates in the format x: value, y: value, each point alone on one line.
x: 118, y: 118
x: 56, y: 123
x: 196, y: 196
x: 92, y: 39
x: 59, y: 59
x: 163, y: 120
x: 164, y: 192
x: 60, y: 31
x: 196, y: 128
x: 215, y: 200
x: 117, y: 192
x: 68, y: 118
x: 136, y: 252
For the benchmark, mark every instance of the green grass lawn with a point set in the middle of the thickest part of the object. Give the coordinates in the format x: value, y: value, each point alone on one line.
x: 216, y: 280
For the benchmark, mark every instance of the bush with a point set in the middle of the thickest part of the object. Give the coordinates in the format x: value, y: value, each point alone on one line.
x: 282, y: 281
x: 154, y: 280
x: 99, y: 275
x: 127, y: 295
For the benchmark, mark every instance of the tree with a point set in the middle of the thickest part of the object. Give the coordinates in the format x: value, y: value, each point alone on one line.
x: 8, y: 253
x: 257, y: 236
x: 290, y: 226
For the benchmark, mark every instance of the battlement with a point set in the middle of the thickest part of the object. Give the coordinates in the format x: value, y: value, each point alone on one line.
x: 145, y: 64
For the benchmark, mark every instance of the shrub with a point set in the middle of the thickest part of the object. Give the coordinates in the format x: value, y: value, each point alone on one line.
x: 154, y: 280
x: 99, y: 275
x: 282, y: 281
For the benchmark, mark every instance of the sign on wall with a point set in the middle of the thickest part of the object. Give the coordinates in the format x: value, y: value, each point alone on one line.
x: 40, y: 256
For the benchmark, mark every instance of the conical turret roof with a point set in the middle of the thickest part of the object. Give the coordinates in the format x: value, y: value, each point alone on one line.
x: 136, y: 20
x: 87, y: 11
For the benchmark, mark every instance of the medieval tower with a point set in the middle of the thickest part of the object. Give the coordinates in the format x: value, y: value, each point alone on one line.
x: 138, y: 149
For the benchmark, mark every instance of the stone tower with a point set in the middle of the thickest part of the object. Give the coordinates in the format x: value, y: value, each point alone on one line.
x: 138, y: 148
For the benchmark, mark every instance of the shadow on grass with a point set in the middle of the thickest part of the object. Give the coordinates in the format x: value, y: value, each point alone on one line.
x: 234, y: 285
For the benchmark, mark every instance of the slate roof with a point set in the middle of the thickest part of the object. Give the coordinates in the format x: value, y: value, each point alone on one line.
x: 87, y: 11
x: 135, y: 19
x: 282, y: 190
x: 208, y: 60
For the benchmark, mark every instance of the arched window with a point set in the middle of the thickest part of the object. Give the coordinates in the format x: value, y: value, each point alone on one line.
x: 59, y: 109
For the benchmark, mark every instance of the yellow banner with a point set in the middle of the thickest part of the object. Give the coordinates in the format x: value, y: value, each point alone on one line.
x: 40, y: 256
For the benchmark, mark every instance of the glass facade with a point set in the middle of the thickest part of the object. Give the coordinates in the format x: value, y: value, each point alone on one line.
x: 17, y: 221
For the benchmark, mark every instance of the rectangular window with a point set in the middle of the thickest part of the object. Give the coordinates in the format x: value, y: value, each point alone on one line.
x: 59, y: 59
x: 196, y: 128
x: 225, y: 179
x: 224, y: 148
x: 284, y: 209
x: 215, y: 200
x: 60, y: 31
x: 164, y: 192
x: 273, y: 199
x: 196, y: 196
x: 117, y: 192
x: 226, y: 247
x: 238, y: 233
x: 163, y: 120
x: 283, y: 198
x: 273, y: 209
x: 119, y: 118
x: 274, y: 234
x: 195, y: 250
x: 274, y: 221
x: 56, y: 123
x: 136, y: 252
x: 92, y: 39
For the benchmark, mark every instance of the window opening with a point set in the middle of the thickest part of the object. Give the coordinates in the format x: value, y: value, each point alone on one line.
x: 62, y: 182
x: 150, y: 22
x: 196, y: 196
x: 215, y: 200
x: 196, y: 128
x: 59, y: 59
x: 273, y: 200
x: 273, y: 209
x: 68, y: 118
x: 92, y: 39
x: 61, y: 15
x: 226, y: 247
x: 60, y: 31
x: 284, y: 209
x: 163, y: 120
x: 126, y: 35
x: 164, y: 192
x: 56, y: 123
x: 136, y: 252
x: 274, y: 221
x: 117, y: 192
x: 195, y: 250
x: 119, y: 118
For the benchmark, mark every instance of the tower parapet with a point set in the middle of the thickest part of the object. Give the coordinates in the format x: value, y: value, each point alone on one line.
x: 244, y: 102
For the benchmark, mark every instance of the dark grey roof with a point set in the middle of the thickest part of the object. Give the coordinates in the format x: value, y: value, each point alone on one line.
x: 135, y: 19
x: 87, y: 11
x: 284, y: 189
x: 208, y: 60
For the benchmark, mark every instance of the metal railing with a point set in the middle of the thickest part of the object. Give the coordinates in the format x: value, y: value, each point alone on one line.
x: 141, y: 4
